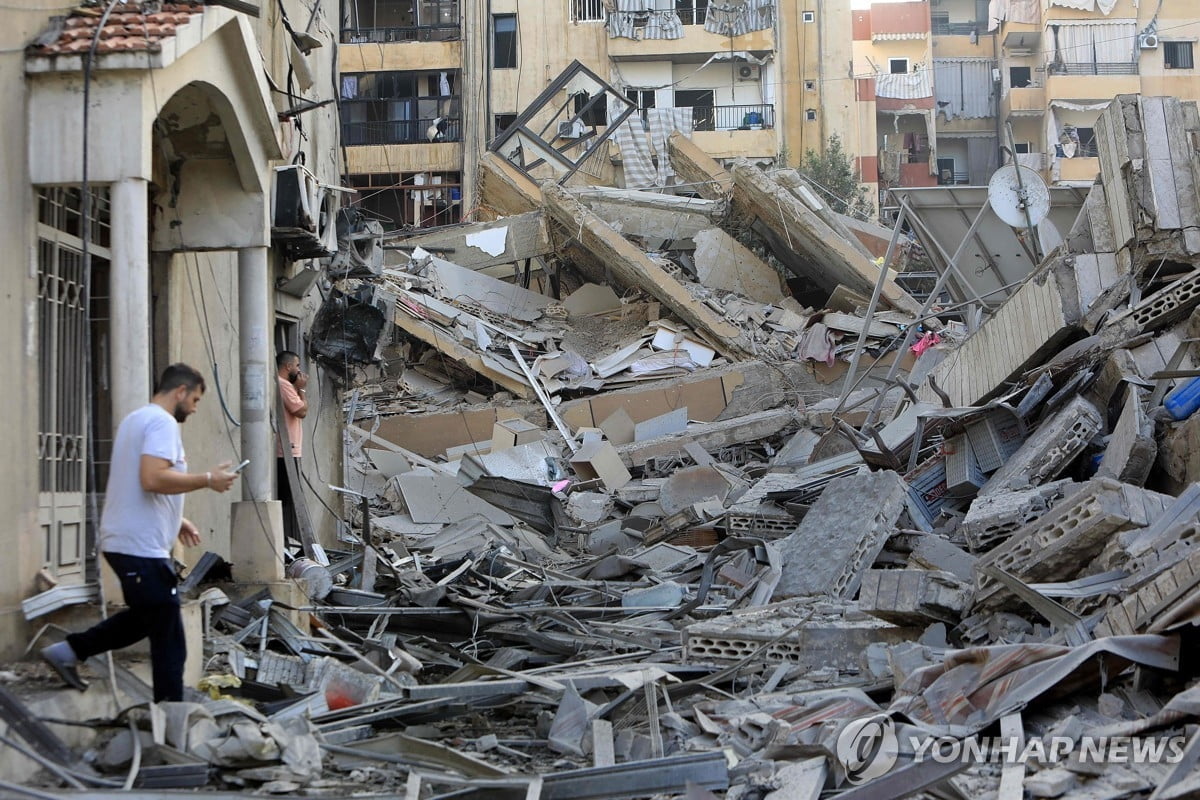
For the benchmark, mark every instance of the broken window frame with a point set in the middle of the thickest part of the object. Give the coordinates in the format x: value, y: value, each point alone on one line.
x: 440, y: 203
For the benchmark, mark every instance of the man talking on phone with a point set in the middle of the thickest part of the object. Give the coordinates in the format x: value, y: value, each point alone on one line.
x: 142, y: 517
x: 293, y: 385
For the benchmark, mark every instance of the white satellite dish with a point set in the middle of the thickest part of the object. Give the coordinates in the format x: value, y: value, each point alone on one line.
x: 1019, y: 196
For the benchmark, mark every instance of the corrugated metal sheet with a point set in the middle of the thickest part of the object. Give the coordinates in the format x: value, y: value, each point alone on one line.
x: 963, y: 87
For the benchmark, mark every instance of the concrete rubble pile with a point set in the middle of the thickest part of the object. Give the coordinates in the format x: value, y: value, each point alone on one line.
x: 652, y: 539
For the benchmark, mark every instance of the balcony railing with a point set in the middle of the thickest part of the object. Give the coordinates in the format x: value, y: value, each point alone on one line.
x: 955, y: 28
x: 415, y: 33
x: 1094, y: 68
x: 407, y: 131
x: 733, y: 118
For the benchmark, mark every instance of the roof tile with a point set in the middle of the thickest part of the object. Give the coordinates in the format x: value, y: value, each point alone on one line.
x: 131, y: 27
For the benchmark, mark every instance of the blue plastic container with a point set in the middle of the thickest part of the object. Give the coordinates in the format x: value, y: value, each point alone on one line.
x: 1183, y: 400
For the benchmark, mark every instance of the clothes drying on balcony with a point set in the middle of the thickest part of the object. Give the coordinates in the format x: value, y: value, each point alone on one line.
x: 637, y: 19
x: 907, y: 85
x: 639, y: 143
x: 734, y: 19
x: 1028, y: 11
x: 963, y: 87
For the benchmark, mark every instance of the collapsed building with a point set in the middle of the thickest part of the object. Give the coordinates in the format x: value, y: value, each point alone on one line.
x: 700, y: 496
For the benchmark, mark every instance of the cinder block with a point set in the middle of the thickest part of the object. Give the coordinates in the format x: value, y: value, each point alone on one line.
x: 1048, y: 452
x: 913, y: 596
x: 932, y: 552
x: 841, y: 535
x: 1131, y: 448
x: 1063, y: 544
x: 1139, y: 611
x: 993, y: 518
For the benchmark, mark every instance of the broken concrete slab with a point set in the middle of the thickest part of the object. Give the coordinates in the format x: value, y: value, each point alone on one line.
x: 697, y: 168
x: 651, y: 216
x: 841, y: 535
x: 711, y: 436
x: 524, y: 236
x: 1131, y: 448
x: 934, y: 552
x: 813, y: 249
x: 438, y: 498
x: 674, y: 421
x: 722, y: 262
x: 633, y: 268
x: 913, y: 596
x: 1042, y: 457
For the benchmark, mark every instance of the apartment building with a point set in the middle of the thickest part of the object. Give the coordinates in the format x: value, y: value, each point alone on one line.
x: 1061, y: 64
x: 427, y: 84
x: 924, y: 84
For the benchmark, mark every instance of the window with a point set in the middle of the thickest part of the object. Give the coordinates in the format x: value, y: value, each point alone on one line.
x: 1020, y: 77
x: 1021, y: 147
x: 1178, y: 55
x: 810, y: 86
x: 691, y: 12
x: 400, y: 21
x: 592, y: 113
x: 502, y: 123
x: 504, y: 41
x: 587, y: 10
x: 1087, y: 143
x: 809, y: 16
x: 810, y: 114
x: 898, y: 66
x: 701, y: 103
x: 643, y: 99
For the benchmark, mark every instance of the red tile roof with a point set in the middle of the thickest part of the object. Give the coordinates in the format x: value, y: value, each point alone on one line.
x: 128, y: 28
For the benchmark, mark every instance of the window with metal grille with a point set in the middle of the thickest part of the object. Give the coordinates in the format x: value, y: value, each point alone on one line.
x: 1178, y: 55
x: 587, y: 10
x: 64, y: 383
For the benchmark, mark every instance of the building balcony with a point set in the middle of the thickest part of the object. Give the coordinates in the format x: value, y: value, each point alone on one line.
x: 1026, y: 101
x: 733, y: 118
x: 1078, y: 83
x: 406, y: 131
x: 401, y: 54
x: 1078, y: 170
x: 695, y: 41
x: 390, y: 159
x: 414, y: 33
x: 1020, y: 37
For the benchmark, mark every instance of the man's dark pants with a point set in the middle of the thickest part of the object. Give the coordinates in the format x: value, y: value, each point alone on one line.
x: 152, y: 598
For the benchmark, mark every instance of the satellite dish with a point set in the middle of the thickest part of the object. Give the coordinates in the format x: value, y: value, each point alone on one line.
x: 1019, y: 196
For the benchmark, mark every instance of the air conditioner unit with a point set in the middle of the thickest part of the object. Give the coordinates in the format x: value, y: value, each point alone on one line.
x: 571, y: 129
x: 749, y: 72
x: 1148, y: 41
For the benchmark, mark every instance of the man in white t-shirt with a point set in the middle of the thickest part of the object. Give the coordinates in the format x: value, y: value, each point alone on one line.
x: 143, y: 515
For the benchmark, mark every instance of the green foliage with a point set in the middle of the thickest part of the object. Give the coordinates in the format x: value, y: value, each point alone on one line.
x: 834, y: 175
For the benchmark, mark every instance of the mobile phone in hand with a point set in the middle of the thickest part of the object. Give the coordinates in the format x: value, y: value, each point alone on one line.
x: 240, y: 467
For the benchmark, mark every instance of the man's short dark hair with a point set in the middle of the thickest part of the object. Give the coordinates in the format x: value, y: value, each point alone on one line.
x: 284, y: 357
x: 178, y: 375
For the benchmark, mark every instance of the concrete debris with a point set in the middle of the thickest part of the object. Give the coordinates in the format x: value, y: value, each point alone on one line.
x: 628, y: 520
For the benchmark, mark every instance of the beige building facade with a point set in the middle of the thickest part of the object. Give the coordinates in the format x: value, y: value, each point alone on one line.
x: 179, y: 126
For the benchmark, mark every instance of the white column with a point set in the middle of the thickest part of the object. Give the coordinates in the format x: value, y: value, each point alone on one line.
x: 257, y: 374
x: 129, y: 298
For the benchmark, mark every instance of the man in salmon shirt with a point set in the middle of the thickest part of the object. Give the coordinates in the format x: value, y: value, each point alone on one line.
x: 293, y: 386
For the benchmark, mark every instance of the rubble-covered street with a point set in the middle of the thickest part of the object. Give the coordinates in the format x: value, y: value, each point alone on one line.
x: 638, y: 517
